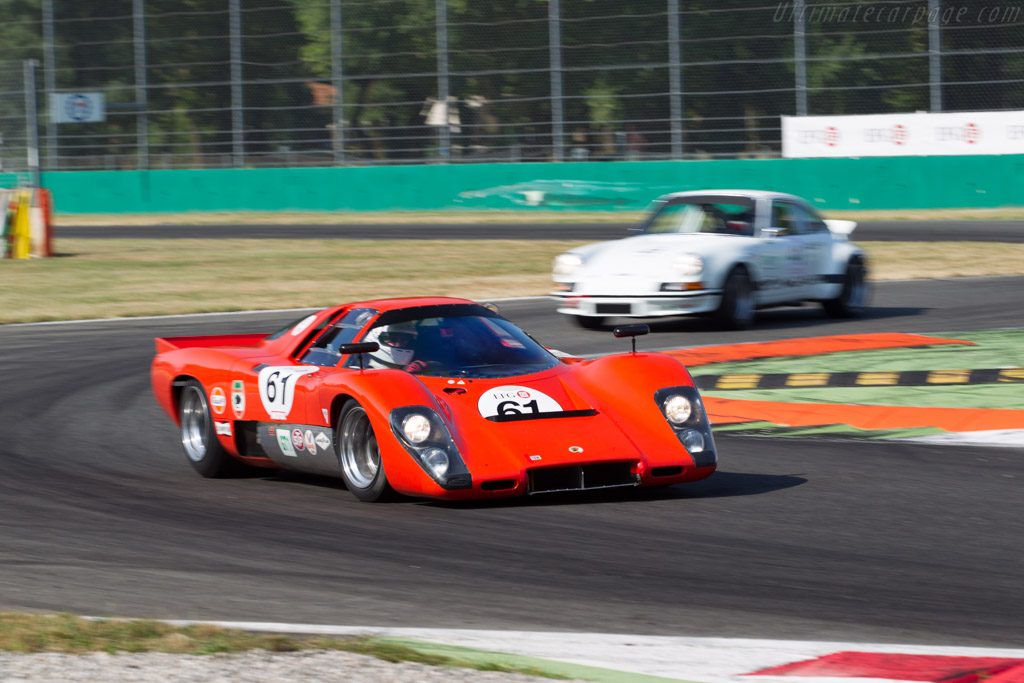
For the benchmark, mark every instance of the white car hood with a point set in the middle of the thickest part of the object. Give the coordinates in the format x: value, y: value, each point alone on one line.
x: 651, y: 256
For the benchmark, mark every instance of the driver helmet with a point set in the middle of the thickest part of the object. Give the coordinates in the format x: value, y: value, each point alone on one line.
x: 397, y: 345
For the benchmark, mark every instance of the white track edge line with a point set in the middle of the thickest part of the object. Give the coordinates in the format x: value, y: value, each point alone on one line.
x: 171, y: 316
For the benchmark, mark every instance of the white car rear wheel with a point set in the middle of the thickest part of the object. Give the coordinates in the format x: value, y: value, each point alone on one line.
x: 854, y: 296
x: 736, y: 312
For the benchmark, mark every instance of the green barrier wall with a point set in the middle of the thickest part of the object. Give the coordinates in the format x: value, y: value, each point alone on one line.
x: 868, y: 183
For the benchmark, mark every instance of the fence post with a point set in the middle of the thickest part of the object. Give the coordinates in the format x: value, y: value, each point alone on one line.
x: 141, y: 99
x: 935, y: 54
x: 445, y: 150
x: 337, y: 80
x: 675, y: 80
x: 555, y: 49
x: 237, y: 120
x: 800, y: 56
x: 31, y: 121
x: 49, y: 83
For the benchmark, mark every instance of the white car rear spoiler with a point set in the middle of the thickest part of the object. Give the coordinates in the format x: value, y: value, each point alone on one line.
x: 841, y: 228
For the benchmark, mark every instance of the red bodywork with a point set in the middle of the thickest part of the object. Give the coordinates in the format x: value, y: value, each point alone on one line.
x: 628, y: 425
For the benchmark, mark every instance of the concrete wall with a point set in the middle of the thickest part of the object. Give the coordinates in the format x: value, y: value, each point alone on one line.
x: 868, y: 183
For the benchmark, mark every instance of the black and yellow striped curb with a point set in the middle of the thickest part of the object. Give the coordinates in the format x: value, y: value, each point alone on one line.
x: 896, y: 378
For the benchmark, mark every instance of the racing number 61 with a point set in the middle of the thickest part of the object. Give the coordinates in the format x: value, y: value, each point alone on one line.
x: 272, y: 385
x: 512, y: 407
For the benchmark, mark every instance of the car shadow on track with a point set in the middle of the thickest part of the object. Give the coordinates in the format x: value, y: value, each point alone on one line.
x: 719, y: 485
x: 770, y: 319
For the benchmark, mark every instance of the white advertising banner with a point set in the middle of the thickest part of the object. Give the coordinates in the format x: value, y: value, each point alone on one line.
x: 918, y: 134
x: 80, y: 107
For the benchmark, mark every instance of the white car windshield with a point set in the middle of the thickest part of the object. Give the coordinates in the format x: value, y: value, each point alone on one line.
x: 702, y: 215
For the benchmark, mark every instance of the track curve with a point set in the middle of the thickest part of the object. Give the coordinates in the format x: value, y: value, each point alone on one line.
x: 867, y: 231
x: 791, y: 539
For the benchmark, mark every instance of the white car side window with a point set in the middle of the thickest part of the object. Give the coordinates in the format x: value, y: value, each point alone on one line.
x: 790, y: 218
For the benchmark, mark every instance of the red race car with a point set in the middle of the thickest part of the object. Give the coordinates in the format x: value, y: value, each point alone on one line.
x: 432, y: 397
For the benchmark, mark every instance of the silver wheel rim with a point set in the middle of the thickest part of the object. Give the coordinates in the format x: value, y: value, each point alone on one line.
x: 857, y: 289
x: 195, y: 423
x: 360, y: 456
x: 742, y: 302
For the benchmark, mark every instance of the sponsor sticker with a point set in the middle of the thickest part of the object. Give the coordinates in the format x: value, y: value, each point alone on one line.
x: 327, y: 418
x: 297, y: 441
x: 515, y: 400
x: 222, y: 428
x: 284, y: 442
x: 303, y: 325
x: 534, y: 457
x: 575, y: 449
x: 323, y: 441
x: 277, y: 388
x: 217, y: 400
x: 238, y: 398
x: 308, y: 442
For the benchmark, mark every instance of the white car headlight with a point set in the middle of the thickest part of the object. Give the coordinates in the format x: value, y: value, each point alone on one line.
x: 688, y: 265
x: 692, y: 440
x: 416, y: 428
x: 678, y: 409
x: 436, y: 460
x: 566, y: 264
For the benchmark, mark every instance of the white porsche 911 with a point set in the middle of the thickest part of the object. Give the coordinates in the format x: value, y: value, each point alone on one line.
x: 719, y: 252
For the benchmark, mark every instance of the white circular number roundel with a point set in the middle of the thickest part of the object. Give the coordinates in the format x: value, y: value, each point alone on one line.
x: 277, y: 388
x: 514, y: 400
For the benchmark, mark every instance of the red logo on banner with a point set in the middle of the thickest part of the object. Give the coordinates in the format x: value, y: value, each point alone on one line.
x: 831, y: 136
x: 899, y: 134
x: 971, y: 133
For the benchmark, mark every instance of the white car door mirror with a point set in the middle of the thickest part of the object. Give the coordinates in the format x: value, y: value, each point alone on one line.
x: 771, y: 232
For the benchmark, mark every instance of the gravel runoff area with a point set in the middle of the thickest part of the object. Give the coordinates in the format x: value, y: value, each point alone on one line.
x: 257, y: 666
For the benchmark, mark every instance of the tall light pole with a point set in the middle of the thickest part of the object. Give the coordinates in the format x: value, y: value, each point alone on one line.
x: 139, y: 47
x: 555, y: 49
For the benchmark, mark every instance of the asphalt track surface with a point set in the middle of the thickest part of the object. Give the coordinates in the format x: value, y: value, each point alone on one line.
x: 867, y: 231
x: 800, y: 539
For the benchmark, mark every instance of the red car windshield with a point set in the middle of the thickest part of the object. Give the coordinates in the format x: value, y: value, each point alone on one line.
x: 454, y: 341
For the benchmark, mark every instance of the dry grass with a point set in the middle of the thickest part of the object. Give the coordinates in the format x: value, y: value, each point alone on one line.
x: 922, y: 260
x: 1005, y: 213
x: 106, y: 278
x: 72, y: 634
x: 349, y: 218
x: 476, y: 217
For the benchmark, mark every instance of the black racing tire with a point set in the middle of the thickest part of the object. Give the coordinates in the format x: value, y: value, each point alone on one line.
x: 359, y: 459
x: 588, y: 322
x: 853, y: 298
x: 736, y: 312
x: 198, y: 437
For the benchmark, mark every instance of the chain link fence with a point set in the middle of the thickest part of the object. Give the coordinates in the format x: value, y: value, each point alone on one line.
x: 13, y: 124
x: 251, y: 83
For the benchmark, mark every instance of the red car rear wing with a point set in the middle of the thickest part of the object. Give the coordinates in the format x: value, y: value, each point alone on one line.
x: 172, y: 343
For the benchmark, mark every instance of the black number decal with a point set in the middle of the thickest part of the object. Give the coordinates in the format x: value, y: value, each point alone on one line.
x: 272, y: 386
x: 508, y: 408
x: 532, y: 405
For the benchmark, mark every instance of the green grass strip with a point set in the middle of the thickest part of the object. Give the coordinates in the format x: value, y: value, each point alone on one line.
x: 486, y: 660
x: 992, y: 349
x: 1008, y: 396
x: 836, y: 431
